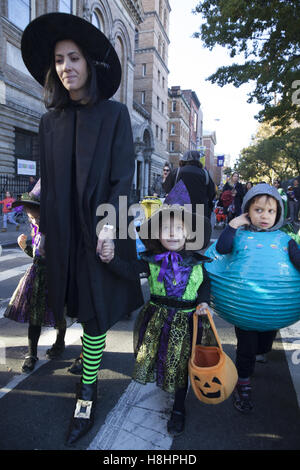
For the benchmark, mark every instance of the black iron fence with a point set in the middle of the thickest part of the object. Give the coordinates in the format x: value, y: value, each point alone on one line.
x: 14, y: 184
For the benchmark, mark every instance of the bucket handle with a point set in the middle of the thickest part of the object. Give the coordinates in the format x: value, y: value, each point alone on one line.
x: 212, y: 324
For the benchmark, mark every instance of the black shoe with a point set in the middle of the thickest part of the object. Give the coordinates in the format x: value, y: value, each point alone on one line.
x: 29, y: 364
x: 176, y: 423
x: 77, y: 366
x: 242, y: 398
x: 83, y: 416
x: 55, y: 351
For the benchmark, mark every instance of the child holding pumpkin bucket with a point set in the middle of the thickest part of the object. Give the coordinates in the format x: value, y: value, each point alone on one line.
x: 178, y: 283
x: 256, y: 247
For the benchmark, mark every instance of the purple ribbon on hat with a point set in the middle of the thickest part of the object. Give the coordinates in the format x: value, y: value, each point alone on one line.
x: 165, y: 260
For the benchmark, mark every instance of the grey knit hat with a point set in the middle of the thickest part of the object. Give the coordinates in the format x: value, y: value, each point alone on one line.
x: 261, y: 190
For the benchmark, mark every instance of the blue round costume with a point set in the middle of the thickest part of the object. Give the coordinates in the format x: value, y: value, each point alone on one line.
x: 256, y: 286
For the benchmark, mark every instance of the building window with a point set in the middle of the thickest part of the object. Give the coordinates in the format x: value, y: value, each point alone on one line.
x: 157, y: 102
x: 172, y: 129
x: 144, y: 68
x: 195, y: 122
x: 162, y: 107
x: 136, y: 39
x: 143, y: 98
x: 156, y: 131
x: 173, y: 106
x: 161, y: 134
x: 95, y: 20
x: 158, y: 76
x: 172, y: 146
x: 163, y: 82
x: 19, y: 12
x: 23, y: 144
x: 65, y: 6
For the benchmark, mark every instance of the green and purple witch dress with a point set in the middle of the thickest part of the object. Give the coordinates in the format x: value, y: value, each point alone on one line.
x: 163, y: 329
x: 29, y: 302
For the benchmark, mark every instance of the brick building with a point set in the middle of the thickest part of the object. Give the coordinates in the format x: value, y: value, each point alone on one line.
x: 178, y: 128
x: 185, y: 123
x: 194, y: 126
x: 138, y: 29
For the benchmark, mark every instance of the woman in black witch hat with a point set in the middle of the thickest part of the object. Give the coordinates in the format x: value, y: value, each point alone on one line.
x: 87, y: 159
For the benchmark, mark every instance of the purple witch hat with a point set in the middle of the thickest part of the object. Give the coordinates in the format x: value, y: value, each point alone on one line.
x: 176, y: 203
x: 31, y: 199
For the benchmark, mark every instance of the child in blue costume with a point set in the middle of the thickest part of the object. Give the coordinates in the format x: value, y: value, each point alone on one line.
x: 263, y: 212
x: 178, y: 283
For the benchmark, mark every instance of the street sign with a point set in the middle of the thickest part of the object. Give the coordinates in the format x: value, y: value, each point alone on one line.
x: 220, y: 160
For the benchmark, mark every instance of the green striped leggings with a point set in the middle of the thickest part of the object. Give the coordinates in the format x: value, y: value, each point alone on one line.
x: 92, y: 350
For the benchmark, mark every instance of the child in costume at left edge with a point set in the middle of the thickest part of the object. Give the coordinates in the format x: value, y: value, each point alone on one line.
x: 163, y: 330
x: 29, y: 300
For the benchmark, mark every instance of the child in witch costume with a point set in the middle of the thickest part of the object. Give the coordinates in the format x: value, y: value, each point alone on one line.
x: 29, y: 301
x: 178, y: 283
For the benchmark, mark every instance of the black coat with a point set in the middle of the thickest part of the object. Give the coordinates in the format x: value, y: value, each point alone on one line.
x: 104, y: 159
x: 199, y: 184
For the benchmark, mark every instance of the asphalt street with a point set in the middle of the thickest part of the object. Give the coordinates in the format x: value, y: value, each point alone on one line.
x: 35, y: 409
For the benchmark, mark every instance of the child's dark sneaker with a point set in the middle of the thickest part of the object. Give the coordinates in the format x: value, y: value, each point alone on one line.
x: 242, y: 398
x: 176, y: 423
x: 261, y: 358
x: 55, y: 351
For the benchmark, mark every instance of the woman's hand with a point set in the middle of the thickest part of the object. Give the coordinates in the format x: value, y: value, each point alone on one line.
x: 22, y: 241
x: 107, y: 251
x: 242, y: 219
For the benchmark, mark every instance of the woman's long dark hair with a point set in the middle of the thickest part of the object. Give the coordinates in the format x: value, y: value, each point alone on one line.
x: 55, y: 94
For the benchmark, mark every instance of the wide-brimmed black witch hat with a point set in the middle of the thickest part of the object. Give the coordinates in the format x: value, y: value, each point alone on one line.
x: 177, y: 203
x: 41, y: 35
x: 31, y: 199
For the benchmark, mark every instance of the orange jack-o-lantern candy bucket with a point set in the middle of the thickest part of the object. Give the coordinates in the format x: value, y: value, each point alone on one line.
x: 212, y: 373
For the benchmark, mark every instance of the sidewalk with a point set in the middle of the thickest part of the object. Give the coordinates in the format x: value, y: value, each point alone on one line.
x: 9, y: 238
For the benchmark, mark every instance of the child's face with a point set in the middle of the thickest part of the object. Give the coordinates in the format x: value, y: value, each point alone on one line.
x: 33, y: 216
x: 263, y: 211
x: 172, y: 235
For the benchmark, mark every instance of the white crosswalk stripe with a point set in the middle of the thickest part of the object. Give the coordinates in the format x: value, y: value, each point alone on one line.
x: 9, y: 273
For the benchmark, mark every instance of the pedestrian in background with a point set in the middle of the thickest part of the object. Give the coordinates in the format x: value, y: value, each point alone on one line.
x: 8, y: 213
x: 157, y: 187
x: 197, y: 180
x: 31, y: 184
x: 293, y: 203
x: 29, y: 303
x: 87, y: 160
x: 296, y: 190
x: 233, y: 183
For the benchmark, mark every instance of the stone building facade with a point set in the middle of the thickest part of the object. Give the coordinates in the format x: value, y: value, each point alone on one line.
x: 209, y: 142
x: 138, y: 29
x: 151, y: 84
